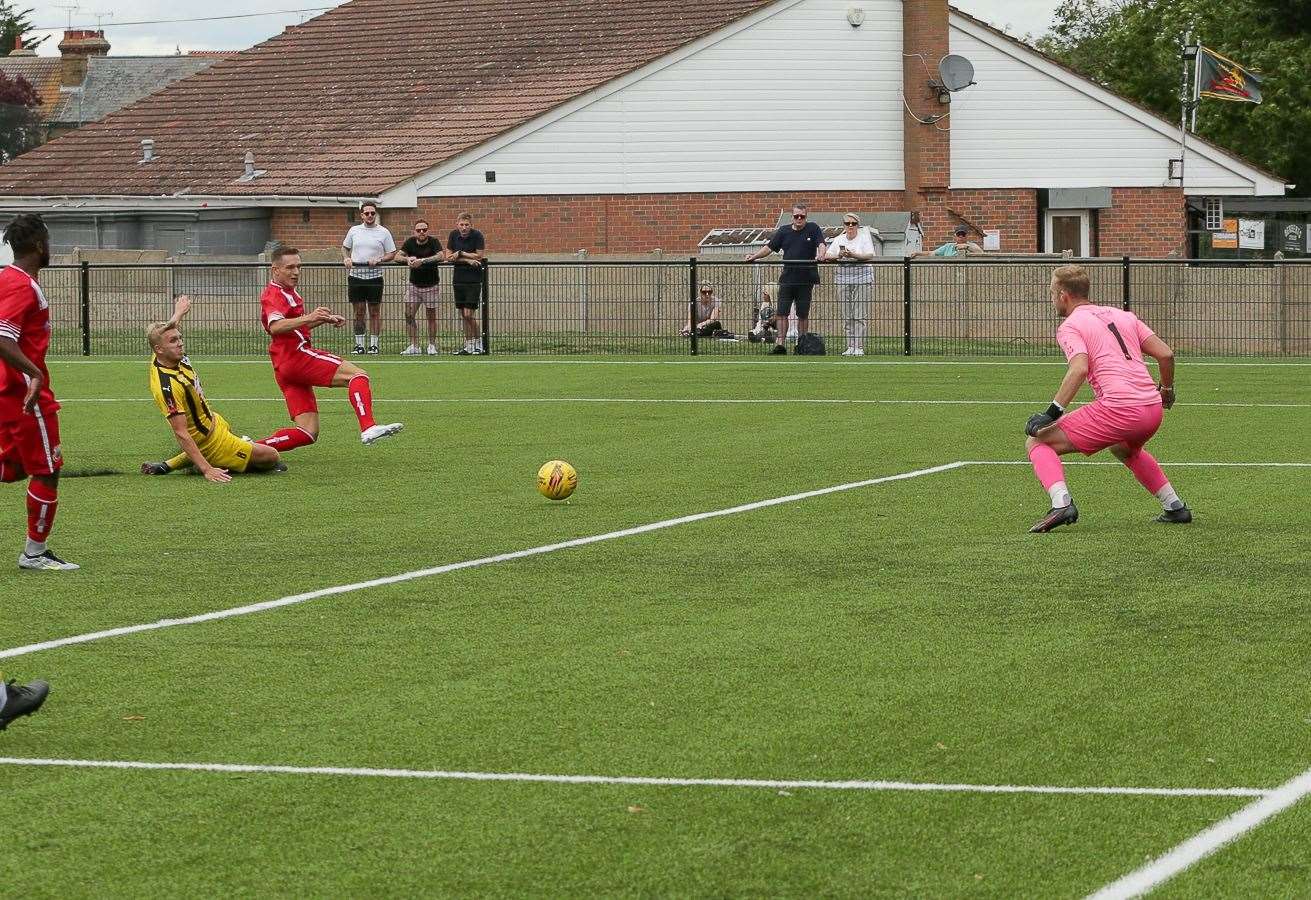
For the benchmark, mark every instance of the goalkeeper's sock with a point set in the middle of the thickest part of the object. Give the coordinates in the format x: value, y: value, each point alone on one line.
x: 1169, y: 499
x: 1147, y: 470
x: 176, y: 462
x: 1047, y: 466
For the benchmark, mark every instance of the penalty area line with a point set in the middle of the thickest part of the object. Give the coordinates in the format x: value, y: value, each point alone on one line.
x: 1207, y: 842
x: 634, y: 780
x: 294, y: 599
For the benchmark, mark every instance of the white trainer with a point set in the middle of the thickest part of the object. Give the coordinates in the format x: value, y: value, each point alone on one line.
x: 432, y: 350
x: 410, y: 351
x: 377, y: 432
x: 46, y: 562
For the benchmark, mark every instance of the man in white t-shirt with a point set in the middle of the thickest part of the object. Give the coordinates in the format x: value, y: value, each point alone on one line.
x: 366, y: 247
x: 853, y: 250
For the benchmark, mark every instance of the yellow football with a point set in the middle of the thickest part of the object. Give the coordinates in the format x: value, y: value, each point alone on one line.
x: 557, y: 479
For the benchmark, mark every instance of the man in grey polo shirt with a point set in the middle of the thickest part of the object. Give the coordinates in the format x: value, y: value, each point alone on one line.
x: 366, y: 247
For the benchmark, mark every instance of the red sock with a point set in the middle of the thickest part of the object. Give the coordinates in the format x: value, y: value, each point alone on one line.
x: 288, y: 439
x: 1147, y: 470
x: 42, y: 501
x: 361, y: 400
x: 1046, y: 465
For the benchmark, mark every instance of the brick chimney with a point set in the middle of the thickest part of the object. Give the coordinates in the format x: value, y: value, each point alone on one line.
x: 927, y: 155
x: 19, y: 50
x: 73, y: 52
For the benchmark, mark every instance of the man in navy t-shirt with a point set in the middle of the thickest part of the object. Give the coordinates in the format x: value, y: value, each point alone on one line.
x: 802, y: 243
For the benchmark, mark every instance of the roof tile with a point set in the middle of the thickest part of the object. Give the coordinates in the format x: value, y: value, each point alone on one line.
x: 356, y: 100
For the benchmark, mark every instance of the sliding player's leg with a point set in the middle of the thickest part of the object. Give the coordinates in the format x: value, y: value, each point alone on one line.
x: 360, y: 393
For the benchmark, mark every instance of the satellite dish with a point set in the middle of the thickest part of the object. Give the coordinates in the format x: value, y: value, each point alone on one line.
x: 956, y: 72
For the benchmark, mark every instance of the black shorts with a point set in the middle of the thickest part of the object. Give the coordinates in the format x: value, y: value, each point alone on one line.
x: 364, y: 290
x: 467, y: 296
x: 798, y: 294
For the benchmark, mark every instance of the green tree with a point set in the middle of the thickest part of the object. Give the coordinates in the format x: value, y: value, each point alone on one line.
x: 14, y: 23
x: 20, y: 118
x: 1132, y: 47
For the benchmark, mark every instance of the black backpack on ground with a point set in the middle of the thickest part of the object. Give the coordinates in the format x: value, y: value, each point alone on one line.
x: 809, y: 344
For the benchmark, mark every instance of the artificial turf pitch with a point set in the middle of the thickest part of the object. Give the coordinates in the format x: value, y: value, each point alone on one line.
x: 908, y: 631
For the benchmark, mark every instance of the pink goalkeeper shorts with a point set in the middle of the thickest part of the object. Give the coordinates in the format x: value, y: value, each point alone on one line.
x: 1097, y: 426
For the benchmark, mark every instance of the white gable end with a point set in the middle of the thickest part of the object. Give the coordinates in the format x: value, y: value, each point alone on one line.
x: 1030, y: 123
x: 791, y: 98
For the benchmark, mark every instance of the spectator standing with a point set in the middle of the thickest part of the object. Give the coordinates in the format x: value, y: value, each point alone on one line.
x: 961, y: 246
x: 853, y: 250
x: 802, y: 243
x: 421, y: 253
x: 366, y: 247
x: 914, y: 235
x: 466, y: 250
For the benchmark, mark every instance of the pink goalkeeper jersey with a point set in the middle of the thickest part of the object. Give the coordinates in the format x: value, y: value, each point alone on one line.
x: 1113, y: 340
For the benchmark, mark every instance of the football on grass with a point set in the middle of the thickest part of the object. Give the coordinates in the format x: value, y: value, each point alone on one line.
x: 557, y: 479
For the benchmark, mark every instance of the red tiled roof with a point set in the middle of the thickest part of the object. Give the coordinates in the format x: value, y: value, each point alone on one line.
x: 357, y: 100
x: 42, y: 72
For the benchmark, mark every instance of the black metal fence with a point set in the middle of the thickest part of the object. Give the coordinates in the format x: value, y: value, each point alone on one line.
x: 979, y: 306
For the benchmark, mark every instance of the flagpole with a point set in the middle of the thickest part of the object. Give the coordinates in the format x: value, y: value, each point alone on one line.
x: 1197, y: 89
x: 1183, y: 104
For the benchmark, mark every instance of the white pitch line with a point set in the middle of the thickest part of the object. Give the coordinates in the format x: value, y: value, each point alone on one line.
x: 468, y: 564
x: 636, y: 780
x: 1204, y: 843
x: 836, y: 401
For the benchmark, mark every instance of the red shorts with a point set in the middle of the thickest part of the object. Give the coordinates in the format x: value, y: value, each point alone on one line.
x: 300, y: 372
x: 1097, y: 426
x: 30, y: 440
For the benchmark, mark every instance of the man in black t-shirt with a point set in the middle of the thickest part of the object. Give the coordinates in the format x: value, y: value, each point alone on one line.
x: 421, y: 253
x: 802, y: 243
x: 465, y: 249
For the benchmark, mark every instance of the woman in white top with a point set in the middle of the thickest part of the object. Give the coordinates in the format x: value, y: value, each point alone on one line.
x: 853, y: 250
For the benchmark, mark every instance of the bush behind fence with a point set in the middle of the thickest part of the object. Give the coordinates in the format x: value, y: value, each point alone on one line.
x: 975, y: 307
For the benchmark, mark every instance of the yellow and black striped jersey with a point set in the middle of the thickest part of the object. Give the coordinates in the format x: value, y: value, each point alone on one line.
x: 178, y: 391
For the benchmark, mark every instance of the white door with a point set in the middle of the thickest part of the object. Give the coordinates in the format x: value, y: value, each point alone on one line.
x: 1067, y: 229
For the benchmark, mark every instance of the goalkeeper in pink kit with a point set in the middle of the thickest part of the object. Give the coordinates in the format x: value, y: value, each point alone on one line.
x: 1105, y: 347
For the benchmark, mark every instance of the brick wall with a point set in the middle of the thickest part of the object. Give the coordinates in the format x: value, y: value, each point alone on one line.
x: 1143, y: 222
x: 926, y: 147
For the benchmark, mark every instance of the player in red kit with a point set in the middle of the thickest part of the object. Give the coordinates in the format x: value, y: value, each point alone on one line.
x: 299, y: 366
x: 29, y: 424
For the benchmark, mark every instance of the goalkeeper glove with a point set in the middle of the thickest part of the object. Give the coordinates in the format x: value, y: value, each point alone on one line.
x: 1038, y: 421
x: 1167, y: 395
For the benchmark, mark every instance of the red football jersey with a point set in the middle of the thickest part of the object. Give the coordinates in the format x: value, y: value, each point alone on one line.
x: 278, y: 302
x: 24, y: 317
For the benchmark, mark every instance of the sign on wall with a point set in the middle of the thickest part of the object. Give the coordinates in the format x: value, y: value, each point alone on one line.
x: 1227, y: 237
x: 1251, y: 234
x: 991, y: 239
x: 1294, y: 238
